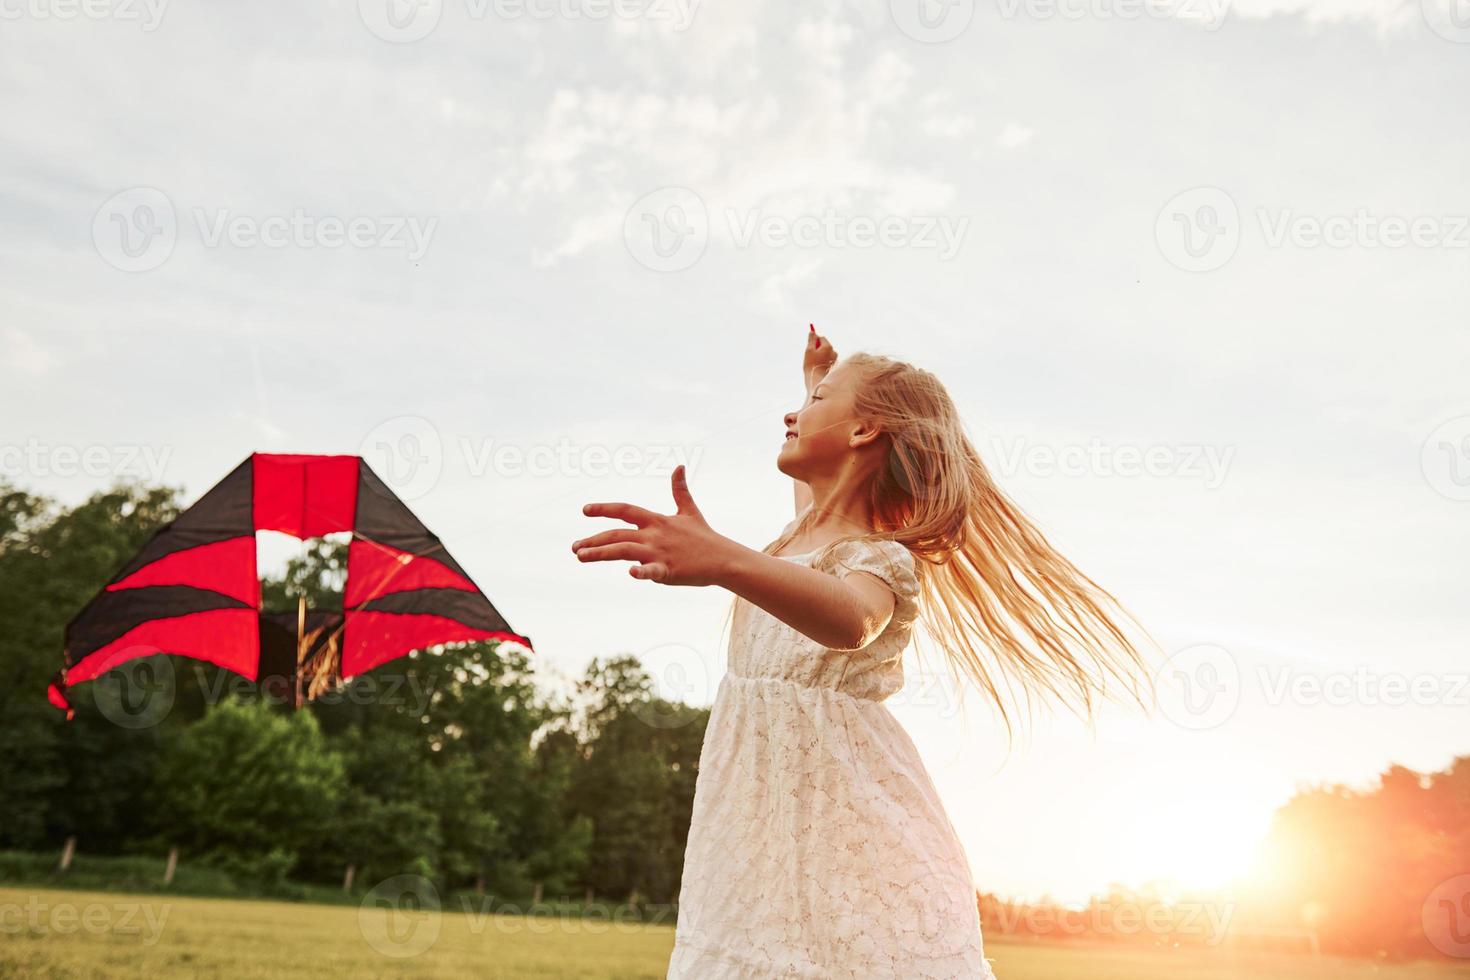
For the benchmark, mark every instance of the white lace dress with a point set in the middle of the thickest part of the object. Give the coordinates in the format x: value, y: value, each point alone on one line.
x: 818, y: 846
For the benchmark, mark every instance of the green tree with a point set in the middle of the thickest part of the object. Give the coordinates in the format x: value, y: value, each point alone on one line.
x: 83, y: 777
x: 28, y: 767
x: 247, y: 781
x: 635, y: 781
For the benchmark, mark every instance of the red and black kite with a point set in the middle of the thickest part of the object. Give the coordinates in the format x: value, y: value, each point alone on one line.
x: 194, y: 590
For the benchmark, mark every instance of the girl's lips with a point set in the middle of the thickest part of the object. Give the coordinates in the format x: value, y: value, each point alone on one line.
x: 790, y: 436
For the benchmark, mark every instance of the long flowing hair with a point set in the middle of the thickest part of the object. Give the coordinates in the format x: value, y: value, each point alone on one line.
x: 1008, y: 610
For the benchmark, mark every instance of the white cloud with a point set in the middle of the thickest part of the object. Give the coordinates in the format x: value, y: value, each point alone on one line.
x: 26, y: 355
x: 775, y: 289
x: 1014, y: 136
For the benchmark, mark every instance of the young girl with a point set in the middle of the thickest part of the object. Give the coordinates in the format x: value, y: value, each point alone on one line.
x: 818, y: 846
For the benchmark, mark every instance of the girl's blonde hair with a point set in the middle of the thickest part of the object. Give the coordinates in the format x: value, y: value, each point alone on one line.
x: 1008, y: 610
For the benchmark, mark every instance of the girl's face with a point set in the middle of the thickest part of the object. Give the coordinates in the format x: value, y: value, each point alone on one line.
x: 826, y: 431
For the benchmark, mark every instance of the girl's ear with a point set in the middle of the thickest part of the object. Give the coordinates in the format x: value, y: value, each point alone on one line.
x: 864, y: 434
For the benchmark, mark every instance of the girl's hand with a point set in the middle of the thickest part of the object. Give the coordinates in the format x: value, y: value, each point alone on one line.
x: 819, y: 358
x: 673, y: 549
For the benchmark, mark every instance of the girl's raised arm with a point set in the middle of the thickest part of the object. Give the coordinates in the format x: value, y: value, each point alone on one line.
x: 818, y: 360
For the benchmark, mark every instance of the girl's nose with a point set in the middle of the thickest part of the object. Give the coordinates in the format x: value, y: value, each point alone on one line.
x: 789, y: 418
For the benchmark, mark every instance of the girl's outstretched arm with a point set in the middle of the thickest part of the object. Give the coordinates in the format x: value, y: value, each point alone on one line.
x: 682, y: 549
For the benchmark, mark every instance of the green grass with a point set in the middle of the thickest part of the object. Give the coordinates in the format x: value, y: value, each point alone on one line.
x: 54, y: 934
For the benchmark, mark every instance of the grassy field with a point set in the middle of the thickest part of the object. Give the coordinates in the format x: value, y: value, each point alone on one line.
x: 52, y: 935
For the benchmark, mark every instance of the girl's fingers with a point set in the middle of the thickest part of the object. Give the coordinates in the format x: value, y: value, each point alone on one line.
x: 622, y: 512
x: 653, y: 571
x: 615, y: 536
x: 627, y: 551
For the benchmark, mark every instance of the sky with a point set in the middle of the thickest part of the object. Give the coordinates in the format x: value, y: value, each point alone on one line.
x: 1196, y: 276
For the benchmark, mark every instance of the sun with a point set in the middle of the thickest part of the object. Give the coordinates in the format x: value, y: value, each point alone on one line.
x: 1198, y: 845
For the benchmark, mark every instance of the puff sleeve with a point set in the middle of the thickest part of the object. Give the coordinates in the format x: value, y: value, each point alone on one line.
x: 887, y: 560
